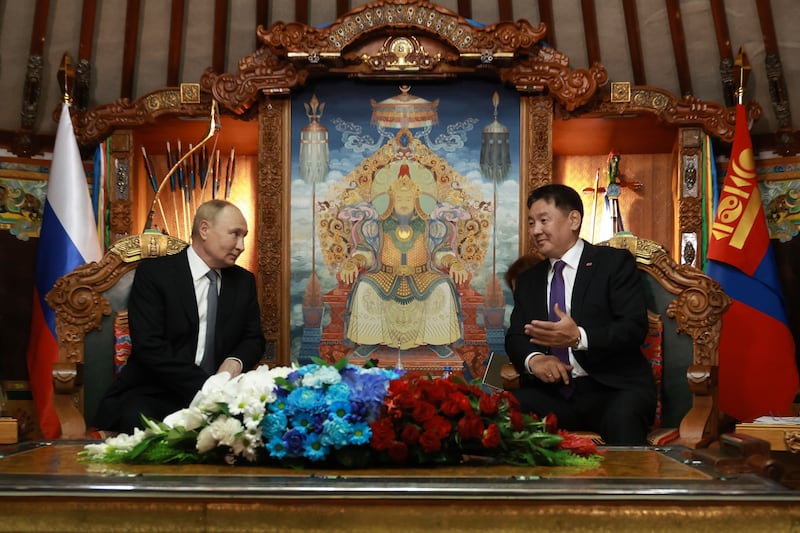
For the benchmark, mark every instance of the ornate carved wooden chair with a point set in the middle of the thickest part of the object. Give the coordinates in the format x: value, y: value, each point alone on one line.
x: 689, y: 305
x: 685, y: 309
x: 90, y: 304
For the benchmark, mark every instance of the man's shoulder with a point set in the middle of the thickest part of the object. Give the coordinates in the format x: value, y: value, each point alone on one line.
x: 161, y: 263
x: 599, y: 251
x: 237, y: 272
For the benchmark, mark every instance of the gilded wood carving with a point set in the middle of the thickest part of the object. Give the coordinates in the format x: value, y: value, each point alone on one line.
x: 80, y: 305
x: 697, y: 309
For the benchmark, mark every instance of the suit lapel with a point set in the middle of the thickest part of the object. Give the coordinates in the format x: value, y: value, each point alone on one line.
x: 583, y: 277
x: 185, y: 286
x: 540, y: 286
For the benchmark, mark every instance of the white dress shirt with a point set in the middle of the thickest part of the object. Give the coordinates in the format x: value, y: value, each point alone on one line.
x: 571, y: 259
x: 199, y: 270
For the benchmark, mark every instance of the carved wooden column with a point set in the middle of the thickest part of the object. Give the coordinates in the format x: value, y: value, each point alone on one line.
x: 120, y: 159
x: 273, y: 212
x: 536, y: 155
x: 690, y: 195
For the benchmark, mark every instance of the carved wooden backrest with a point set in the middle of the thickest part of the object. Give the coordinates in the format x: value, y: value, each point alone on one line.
x: 84, y: 302
x: 691, y: 305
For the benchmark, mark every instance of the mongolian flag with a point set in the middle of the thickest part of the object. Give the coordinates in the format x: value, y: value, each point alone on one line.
x: 757, y: 368
x: 67, y: 240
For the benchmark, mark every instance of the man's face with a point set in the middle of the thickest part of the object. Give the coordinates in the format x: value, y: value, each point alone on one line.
x: 223, y: 239
x: 553, y: 230
x: 404, y: 202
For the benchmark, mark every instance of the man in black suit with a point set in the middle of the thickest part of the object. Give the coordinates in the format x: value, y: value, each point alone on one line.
x: 168, y: 312
x: 601, y: 381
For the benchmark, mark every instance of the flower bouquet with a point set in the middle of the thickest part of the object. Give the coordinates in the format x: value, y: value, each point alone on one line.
x: 345, y: 415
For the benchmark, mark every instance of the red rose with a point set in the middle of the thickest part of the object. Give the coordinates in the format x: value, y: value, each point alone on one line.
x: 436, y: 390
x: 491, y: 437
x: 382, y: 434
x: 516, y: 420
x: 398, y: 451
x: 488, y: 404
x: 551, y: 423
x: 438, y: 425
x: 423, y: 411
x: 470, y: 427
x: 577, y: 444
x: 410, y: 434
x: 396, y: 386
x: 406, y: 400
x: 430, y: 442
x: 456, y: 403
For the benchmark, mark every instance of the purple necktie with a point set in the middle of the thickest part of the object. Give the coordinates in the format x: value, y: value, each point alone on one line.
x: 557, y: 296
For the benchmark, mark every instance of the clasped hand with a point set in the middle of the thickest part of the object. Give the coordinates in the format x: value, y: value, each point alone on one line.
x: 560, y: 334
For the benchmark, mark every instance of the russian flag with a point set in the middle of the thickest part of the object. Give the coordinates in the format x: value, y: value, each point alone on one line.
x: 757, y: 368
x: 67, y: 240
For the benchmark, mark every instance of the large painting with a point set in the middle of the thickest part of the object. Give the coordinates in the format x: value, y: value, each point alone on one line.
x: 404, y: 218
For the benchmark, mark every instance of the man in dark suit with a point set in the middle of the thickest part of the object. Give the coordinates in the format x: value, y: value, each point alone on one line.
x: 168, y: 311
x: 582, y: 362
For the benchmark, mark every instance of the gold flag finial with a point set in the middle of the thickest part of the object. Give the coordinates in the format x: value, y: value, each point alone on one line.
x: 66, y: 77
x: 742, y: 67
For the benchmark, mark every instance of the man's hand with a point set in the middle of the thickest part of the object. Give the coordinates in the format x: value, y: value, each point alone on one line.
x: 232, y: 366
x: 549, y: 369
x: 561, y: 334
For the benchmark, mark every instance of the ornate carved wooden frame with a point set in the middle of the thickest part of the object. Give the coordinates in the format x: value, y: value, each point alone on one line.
x: 697, y: 309
x: 79, y: 306
x: 399, y: 39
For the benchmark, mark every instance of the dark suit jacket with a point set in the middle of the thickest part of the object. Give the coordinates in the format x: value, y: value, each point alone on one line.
x: 164, y: 322
x: 608, y: 301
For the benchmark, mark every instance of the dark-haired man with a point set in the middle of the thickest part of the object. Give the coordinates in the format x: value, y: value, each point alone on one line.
x: 580, y: 359
x: 174, y: 350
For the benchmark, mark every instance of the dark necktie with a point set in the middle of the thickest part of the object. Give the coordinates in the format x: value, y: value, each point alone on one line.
x: 208, y: 363
x: 558, y: 296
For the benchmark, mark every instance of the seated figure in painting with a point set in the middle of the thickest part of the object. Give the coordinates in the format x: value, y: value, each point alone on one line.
x: 404, y: 273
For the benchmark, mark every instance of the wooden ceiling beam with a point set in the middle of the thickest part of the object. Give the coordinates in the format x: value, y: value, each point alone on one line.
x: 220, y: 37
x: 634, y: 41
x: 301, y: 11
x: 262, y: 18
x: 83, y: 69
x: 176, y: 25
x: 24, y: 142
x: 546, y: 16
x: 506, y: 11
x: 342, y: 7
x: 679, y: 46
x: 590, y: 29
x: 788, y: 140
x: 465, y: 8
x: 132, y: 16
x: 725, y: 51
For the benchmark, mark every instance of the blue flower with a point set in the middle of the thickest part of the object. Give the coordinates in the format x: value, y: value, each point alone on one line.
x: 276, y: 447
x: 295, y: 441
x: 306, y: 399
x: 274, y: 424
x: 315, y: 449
x: 361, y: 433
x: 338, y: 392
x: 302, y: 421
x: 339, y: 409
x: 337, y: 432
